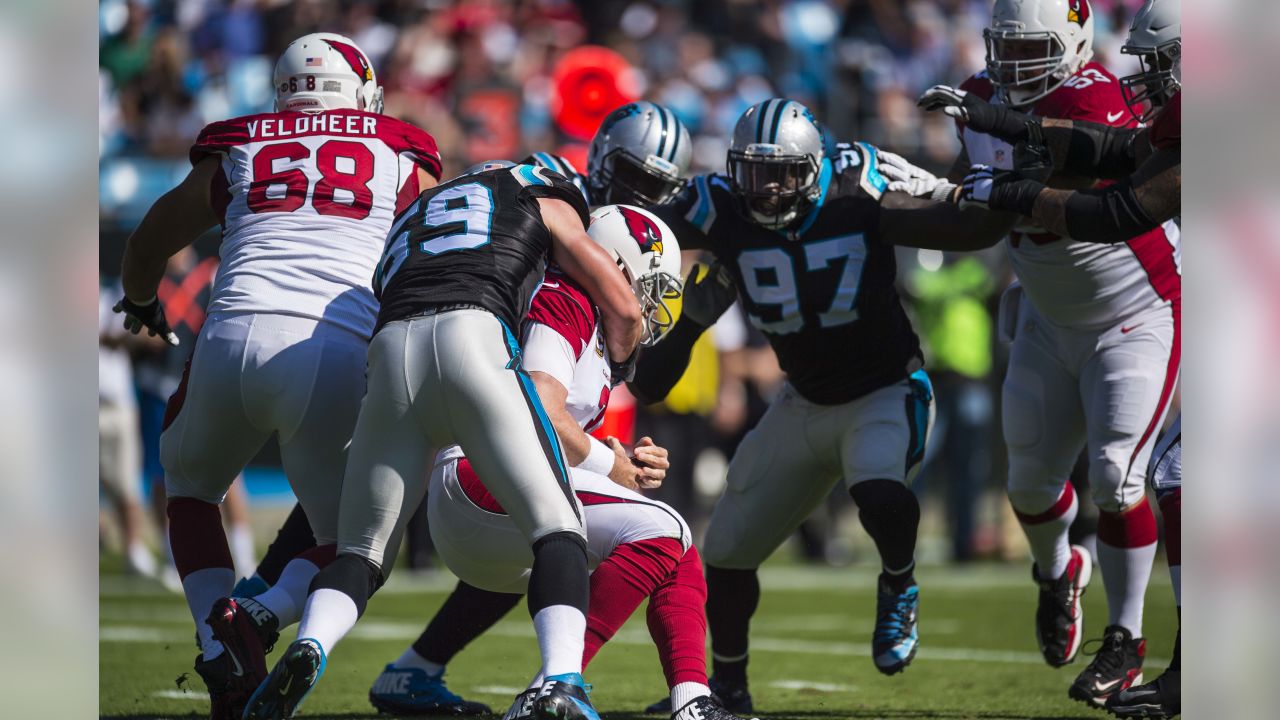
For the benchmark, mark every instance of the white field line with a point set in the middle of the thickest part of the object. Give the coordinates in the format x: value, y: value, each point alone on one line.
x: 809, y: 685
x: 505, y: 690
x: 409, y: 631
x: 180, y: 695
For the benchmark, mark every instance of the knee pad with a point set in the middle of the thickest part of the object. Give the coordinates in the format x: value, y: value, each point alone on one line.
x: 724, y: 534
x: 1032, y: 493
x: 1111, y: 484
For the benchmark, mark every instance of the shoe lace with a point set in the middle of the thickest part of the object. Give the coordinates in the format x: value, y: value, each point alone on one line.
x: 1107, y: 653
x: 893, y: 619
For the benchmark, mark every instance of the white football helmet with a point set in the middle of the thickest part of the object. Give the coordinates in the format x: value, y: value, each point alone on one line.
x: 1033, y: 46
x: 325, y: 71
x: 649, y: 255
x: 1155, y: 38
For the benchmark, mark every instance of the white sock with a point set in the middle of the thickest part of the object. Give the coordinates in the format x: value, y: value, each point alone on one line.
x: 1048, y: 540
x: 141, y: 559
x: 1175, y: 574
x: 537, y: 680
x: 240, y: 539
x: 329, y: 615
x: 286, y: 598
x: 203, y: 588
x: 686, y: 692
x: 411, y: 659
x: 562, y: 632
x: 1125, y: 572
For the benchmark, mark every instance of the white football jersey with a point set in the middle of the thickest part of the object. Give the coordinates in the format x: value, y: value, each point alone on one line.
x: 306, y: 201
x: 1073, y: 284
x: 562, y: 338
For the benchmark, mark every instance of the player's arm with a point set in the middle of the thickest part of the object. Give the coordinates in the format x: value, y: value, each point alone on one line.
x: 707, y: 295
x: 1078, y: 147
x: 1113, y: 214
x: 588, y: 264
x: 939, y: 224
x: 426, y: 180
x: 172, y: 223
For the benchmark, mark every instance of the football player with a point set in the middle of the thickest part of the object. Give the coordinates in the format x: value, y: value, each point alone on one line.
x: 638, y: 547
x: 459, y: 269
x: 1146, y: 163
x: 305, y: 196
x: 639, y: 155
x: 809, y: 249
x: 1096, y: 335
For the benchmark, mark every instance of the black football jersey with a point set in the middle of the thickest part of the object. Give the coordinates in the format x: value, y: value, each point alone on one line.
x: 478, y: 239
x: 823, y: 292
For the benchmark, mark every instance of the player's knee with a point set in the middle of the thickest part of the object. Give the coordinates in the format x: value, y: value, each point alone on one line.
x: 1033, y: 494
x: 723, y: 545
x: 1113, y: 488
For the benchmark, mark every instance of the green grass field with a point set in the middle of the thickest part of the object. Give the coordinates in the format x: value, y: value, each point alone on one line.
x: 810, y: 651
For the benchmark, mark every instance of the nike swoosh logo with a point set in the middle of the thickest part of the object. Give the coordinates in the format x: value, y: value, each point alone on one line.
x: 1131, y: 328
x: 1103, y: 687
x: 236, y: 669
x: 287, y: 684
x: 1112, y: 118
x: 550, y: 285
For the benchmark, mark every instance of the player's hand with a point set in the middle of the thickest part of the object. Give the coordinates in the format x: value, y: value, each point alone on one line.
x: 905, y: 177
x: 978, y: 114
x: 652, y: 462
x: 1032, y: 157
x: 708, y: 293
x: 978, y: 185
x: 149, y: 315
x: 624, y: 472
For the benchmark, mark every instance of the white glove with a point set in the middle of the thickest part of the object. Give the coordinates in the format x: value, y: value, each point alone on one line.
x: 905, y: 177
x: 945, y: 98
x: 975, y: 191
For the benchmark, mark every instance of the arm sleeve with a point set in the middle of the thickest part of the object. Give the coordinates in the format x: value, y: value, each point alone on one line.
x: 661, y: 366
x: 1096, y: 150
x: 1110, y: 215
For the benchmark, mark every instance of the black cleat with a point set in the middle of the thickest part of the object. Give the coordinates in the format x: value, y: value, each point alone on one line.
x: 731, y: 696
x: 704, y: 708
x: 564, y: 697
x: 289, y: 682
x: 1116, y: 665
x: 1160, y: 698
x: 228, y: 691
x: 522, y: 708
x: 1060, y: 615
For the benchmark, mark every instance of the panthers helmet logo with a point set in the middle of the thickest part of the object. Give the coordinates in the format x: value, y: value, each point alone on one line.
x: 646, y: 234
x: 1078, y: 11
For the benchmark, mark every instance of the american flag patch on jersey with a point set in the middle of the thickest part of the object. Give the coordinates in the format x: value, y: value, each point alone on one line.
x: 315, y: 62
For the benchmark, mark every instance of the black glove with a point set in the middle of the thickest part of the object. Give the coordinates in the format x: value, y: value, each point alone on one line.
x: 625, y: 371
x: 1031, y: 157
x: 982, y: 116
x: 149, y: 315
x: 708, y: 293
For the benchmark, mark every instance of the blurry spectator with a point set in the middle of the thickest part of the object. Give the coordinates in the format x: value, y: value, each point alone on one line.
x: 119, y: 447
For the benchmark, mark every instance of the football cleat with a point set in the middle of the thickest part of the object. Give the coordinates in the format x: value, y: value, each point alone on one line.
x: 1116, y: 665
x: 248, y: 587
x: 704, y: 708
x: 290, y: 680
x: 412, y: 691
x: 245, y: 640
x: 896, y: 637
x: 1059, y: 614
x: 564, y: 697
x: 228, y: 687
x: 731, y: 696
x: 1160, y: 698
x: 522, y: 708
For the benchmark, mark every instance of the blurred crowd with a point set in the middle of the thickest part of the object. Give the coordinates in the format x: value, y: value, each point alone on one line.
x: 485, y: 78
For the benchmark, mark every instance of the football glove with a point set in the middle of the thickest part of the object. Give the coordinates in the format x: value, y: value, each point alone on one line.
x: 149, y: 315
x: 905, y: 177
x: 708, y: 294
x: 978, y: 114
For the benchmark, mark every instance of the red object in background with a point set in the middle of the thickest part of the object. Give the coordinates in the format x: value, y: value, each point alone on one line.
x: 575, y: 153
x: 589, y: 82
x: 619, y: 417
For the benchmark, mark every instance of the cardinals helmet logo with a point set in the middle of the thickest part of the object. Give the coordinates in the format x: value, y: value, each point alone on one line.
x: 643, y: 230
x: 1078, y: 11
x: 359, y: 65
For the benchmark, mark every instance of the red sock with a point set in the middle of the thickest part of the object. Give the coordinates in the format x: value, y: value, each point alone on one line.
x: 631, y: 573
x: 678, y: 622
x: 203, y: 560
